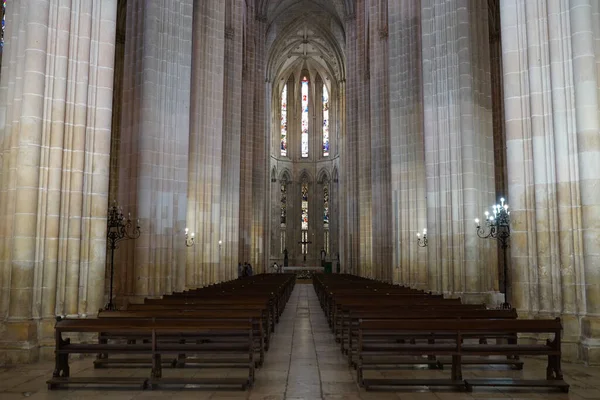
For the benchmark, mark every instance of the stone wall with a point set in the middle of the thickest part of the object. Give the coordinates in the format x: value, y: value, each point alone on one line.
x: 551, y: 60
x: 153, y: 146
x: 55, y: 117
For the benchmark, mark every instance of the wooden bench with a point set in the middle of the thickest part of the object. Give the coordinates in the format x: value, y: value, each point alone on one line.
x: 267, y: 321
x: 238, y: 353
x: 386, y: 354
x: 342, y: 312
x: 206, y: 315
x: 351, y: 330
x: 379, y: 300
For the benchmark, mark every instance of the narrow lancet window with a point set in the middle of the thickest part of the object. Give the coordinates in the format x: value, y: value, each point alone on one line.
x: 304, y: 207
x: 304, y: 118
x: 325, y: 121
x: 326, y: 217
x: 326, y: 206
x: 284, y: 121
x: 3, y: 25
x: 283, y: 203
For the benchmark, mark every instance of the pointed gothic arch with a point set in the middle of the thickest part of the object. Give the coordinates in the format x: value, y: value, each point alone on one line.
x: 323, y: 176
x: 274, y: 174
x: 285, y: 176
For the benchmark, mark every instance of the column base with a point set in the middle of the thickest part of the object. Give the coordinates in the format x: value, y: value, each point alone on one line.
x: 589, y: 349
x: 491, y: 299
x: 19, y: 342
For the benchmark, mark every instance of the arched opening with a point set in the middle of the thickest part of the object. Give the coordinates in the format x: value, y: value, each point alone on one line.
x: 305, y: 69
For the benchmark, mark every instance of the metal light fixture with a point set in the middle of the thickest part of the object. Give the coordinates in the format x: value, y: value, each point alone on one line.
x: 497, y: 226
x: 118, y: 229
x: 190, y: 239
x: 422, y: 241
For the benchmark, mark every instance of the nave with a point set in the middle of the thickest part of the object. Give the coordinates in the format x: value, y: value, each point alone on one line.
x: 303, y: 362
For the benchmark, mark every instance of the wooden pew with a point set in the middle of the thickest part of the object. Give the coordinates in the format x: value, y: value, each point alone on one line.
x: 380, y: 354
x: 351, y: 329
x: 378, y: 300
x: 343, y: 311
x: 161, y: 331
x: 223, y: 303
x: 206, y: 315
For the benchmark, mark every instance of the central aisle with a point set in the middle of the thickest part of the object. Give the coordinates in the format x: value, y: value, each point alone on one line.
x: 304, y: 362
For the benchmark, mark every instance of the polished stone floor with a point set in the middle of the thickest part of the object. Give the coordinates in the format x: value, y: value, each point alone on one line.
x: 304, y: 362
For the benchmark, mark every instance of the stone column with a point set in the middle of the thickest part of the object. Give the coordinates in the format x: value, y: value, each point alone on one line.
x: 349, y: 154
x: 382, y: 233
x: 230, y: 173
x: 247, y: 139
x: 551, y: 108
x: 585, y: 39
x: 363, y: 136
x: 458, y: 146
x: 55, y: 115
x: 206, y: 141
x: 254, y: 163
x: 154, y: 146
x: 407, y: 152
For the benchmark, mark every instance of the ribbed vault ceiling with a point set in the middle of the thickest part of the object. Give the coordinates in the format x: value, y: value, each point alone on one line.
x: 305, y: 34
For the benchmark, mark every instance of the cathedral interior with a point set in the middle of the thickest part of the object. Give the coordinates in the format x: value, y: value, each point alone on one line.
x: 304, y: 133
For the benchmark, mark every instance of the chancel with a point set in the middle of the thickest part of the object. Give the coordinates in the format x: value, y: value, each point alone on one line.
x: 317, y: 135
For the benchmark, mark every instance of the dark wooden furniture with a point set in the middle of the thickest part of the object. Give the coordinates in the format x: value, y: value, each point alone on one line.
x: 164, y: 339
x: 379, y: 348
x: 205, y: 315
x: 349, y: 337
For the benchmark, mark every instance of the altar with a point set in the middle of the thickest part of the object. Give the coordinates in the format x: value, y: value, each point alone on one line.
x: 303, y: 272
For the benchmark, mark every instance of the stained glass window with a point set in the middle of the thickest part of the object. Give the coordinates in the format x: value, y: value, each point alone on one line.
x: 305, y: 243
x: 3, y: 23
x: 284, y: 121
x: 304, y: 135
x: 304, y: 206
x: 283, y: 203
x: 325, y: 121
x: 326, y: 205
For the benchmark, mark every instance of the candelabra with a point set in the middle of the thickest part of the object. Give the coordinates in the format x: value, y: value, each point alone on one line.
x: 189, y: 239
x: 422, y: 241
x: 118, y: 229
x: 497, y: 226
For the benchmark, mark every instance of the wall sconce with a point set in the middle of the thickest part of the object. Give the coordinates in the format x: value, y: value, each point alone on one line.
x: 189, y: 238
x: 422, y: 241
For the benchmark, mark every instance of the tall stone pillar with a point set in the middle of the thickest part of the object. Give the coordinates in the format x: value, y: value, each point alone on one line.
x: 260, y: 153
x: 458, y: 146
x: 364, y: 192
x: 349, y: 154
x: 551, y: 107
x: 206, y: 142
x: 585, y: 37
x: 153, y: 146
x: 254, y: 164
x: 407, y: 152
x: 55, y: 114
x: 379, y: 114
x: 230, y: 172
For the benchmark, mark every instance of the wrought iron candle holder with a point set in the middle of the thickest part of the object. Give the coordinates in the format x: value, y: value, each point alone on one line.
x: 118, y: 229
x: 422, y: 241
x: 190, y: 239
x: 497, y: 226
